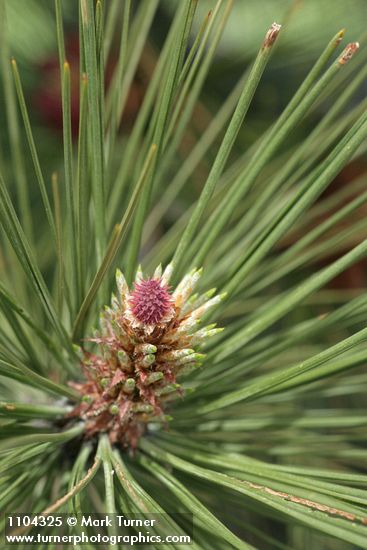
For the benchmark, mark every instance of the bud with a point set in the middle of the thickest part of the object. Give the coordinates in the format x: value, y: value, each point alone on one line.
x: 148, y: 337
x: 158, y: 272
x: 188, y: 369
x: 194, y: 357
x: 87, y: 399
x: 143, y: 408
x: 114, y: 409
x: 124, y: 360
x: 129, y: 386
x: 167, y: 274
x: 115, y: 303
x: 122, y: 287
x: 170, y: 388
x: 175, y: 354
x: 153, y: 378
x: 271, y: 35
x: 78, y: 351
x: 348, y: 53
x: 104, y: 382
x: 145, y: 349
x: 147, y: 361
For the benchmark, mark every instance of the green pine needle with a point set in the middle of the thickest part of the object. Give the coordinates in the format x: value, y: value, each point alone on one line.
x: 169, y: 157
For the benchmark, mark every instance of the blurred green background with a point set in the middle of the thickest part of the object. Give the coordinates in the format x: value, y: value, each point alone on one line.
x: 308, y: 25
